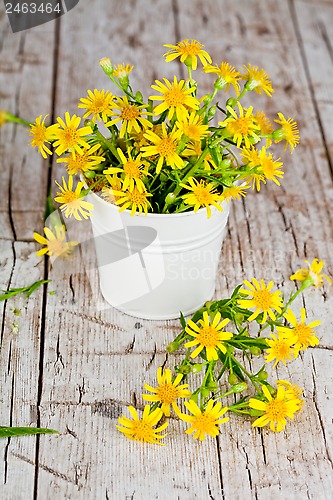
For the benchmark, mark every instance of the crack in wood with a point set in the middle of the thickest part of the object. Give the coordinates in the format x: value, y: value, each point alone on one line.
x: 130, y: 346
x: 72, y: 288
x: 5, y: 455
x: 300, y: 43
x: 217, y: 441
x: 152, y: 358
x: 314, y: 398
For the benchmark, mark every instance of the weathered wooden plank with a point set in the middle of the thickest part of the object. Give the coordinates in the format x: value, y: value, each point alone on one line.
x: 19, y: 361
x: 26, y: 71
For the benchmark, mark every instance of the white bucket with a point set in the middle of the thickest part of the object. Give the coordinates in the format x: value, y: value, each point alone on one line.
x: 154, y: 266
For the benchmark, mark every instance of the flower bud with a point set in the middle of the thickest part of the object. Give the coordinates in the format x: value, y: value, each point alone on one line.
x: 262, y: 376
x: 212, y: 386
x: 240, y: 387
x: 239, y: 317
x: 232, y: 379
x: 196, y: 368
x: 106, y: 65
x: 170, y: 198
x: 172, y: 347
x: 205, y: 392
x: 278, y: 134
x: 256, y: 351
x: 138, y: 96
x: 220, y: 83
x: 90, y: 174
x: 225, y: 163
x: 231, y: 102
x: 212, y: 112
x: 185, y: 369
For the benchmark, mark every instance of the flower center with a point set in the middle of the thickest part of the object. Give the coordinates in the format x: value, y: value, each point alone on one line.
x: 276, y: 410
x: 132, y: 170
x: 69, y: 197
x: 240, y: 125
x: 39, y: 134
x: 136, y: 197
x: 192, y: 131
x: 129, y: 113
x: 203, y: 422
x: 303, y: 333
x: 175, y: 97
x: 141, y: 430
x: 190, y: 49
x: 208, y: 337
x: 202, y: 194
x: 57, y: 247
x: 263, y: 299
x: 98, y: 105
x: 166, y: 147
x: 70, y: 137
x: 167, y: 393
x: 281, y: 350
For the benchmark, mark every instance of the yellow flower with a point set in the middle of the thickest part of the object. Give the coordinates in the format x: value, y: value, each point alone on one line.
x: 275, y: 410
x: 55, y: 242
x: 175, y: 96
x: 188, y: 51
x: 82, y: 163
x: 165, y: 147
x: 130, y: 115
x: 241, y: 128
x: 270, y: 168
x: 288, y: 132
x: 206, y: 421
x: 134, y: 200
x: 108, y: 192
x: 227, y: 75
x: 279, y: 349
x: 41, y: 134
x: 72, y: 202
x: 257, y: 80
x: 234, y: 192
x: 203, y: 195
x: 5, y: 117
x: 191, y: 126
x: 293, y: 391
x: 313, y: 274
x: 122, y: 71
x: 208, y: 335
x: 196, y: 150
x: 303, y: 335
x: 262, y: 299
x: 69, y: 137
x: 98, y: 104
x: 265, y: 125
x: 132, y: 171
x: 167, y: 392
x: 143, y: 429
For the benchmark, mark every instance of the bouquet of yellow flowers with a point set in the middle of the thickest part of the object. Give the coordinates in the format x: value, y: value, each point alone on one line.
x: 169, y: 154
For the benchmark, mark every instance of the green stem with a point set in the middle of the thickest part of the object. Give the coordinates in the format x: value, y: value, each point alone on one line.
x: 106, y: 143
x: 249, y: 375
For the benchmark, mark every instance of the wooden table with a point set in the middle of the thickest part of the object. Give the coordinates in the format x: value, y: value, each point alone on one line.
x: 70, y: 365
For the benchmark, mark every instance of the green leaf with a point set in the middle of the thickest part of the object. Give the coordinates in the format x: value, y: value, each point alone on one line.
x: 28, y: 290
x: 182, y: 320
x: 6, y: 432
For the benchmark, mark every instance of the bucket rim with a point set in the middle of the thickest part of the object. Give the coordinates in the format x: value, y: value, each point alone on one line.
x: 225, y: 208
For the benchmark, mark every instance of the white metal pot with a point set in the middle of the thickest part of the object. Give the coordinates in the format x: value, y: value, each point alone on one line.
x: 154, y: 266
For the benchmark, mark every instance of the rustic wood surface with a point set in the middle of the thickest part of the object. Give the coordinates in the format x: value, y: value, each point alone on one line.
x: 68, y: 364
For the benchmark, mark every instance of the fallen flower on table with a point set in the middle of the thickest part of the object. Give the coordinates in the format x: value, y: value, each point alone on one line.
x: 221, y: 362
